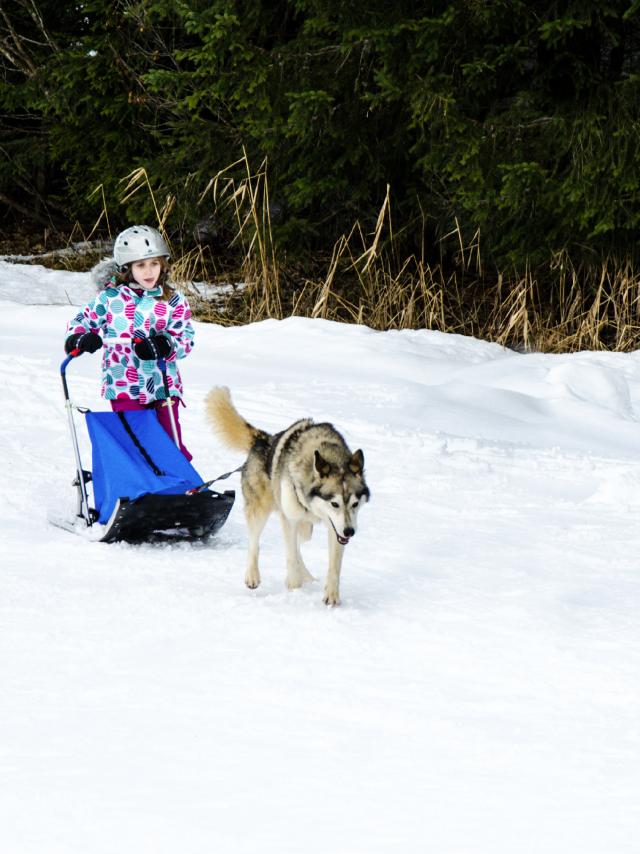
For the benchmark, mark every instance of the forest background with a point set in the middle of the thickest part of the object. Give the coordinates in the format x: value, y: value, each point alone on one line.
x: 468, y: 166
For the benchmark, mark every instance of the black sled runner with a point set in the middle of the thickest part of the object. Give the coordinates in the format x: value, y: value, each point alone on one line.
x: 143, y: 487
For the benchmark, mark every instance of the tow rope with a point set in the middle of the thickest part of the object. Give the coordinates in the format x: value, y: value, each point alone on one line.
x: 208, y: 483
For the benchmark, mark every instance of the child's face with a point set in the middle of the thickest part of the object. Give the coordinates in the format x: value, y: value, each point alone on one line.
x: 146, y: 273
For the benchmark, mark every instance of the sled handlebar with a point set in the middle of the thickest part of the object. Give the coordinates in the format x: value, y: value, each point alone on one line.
x: 80, y: 482
x: 106, y: 342
x: 112, y: 341
x: 63, y: 371
x: 70, y: 358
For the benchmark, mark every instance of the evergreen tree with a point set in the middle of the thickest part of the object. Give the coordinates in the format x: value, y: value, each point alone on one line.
x: 516, y: 119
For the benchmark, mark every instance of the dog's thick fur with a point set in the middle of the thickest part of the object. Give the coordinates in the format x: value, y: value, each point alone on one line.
x: 308, y: 474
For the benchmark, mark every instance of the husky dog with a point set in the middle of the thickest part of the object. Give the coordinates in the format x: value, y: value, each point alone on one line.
x: 308, y: 474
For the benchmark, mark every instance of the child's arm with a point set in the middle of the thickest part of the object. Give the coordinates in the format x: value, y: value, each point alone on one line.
x: 180, y: 327
x: 89, y: 319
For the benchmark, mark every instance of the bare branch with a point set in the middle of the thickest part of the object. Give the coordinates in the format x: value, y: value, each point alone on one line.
x: 14, y: 52
x: 36, y: 16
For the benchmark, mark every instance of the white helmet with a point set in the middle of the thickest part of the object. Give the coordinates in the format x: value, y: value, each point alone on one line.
x: 139, y: 242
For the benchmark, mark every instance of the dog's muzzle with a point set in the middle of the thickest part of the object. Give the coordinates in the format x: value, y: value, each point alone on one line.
x: 343, y: 540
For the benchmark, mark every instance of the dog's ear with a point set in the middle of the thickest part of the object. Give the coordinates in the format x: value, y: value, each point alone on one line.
x: 322, y: 466
x: 356, y: 463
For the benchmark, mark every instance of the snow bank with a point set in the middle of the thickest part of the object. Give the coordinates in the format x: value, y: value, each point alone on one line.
x: 478, y: 690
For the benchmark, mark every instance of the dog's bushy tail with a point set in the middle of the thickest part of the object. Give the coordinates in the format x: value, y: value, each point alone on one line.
x: 227, y: 422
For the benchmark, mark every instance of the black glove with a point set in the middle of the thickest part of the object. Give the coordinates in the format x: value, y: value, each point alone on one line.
x: 86, y: 342
x: 154, y: 347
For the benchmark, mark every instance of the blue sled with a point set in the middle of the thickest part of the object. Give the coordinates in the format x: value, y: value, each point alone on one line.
x: 144, y: 488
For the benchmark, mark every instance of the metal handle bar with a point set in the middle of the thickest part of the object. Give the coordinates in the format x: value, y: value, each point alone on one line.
x: 83, y: 502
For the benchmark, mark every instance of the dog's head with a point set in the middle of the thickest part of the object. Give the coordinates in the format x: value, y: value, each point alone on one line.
x: 339, y: 493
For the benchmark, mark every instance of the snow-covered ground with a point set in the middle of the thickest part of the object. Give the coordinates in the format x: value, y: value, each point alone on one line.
x: 476, y: 693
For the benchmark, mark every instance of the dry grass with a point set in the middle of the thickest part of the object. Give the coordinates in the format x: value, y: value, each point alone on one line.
x: 554, y: 309
x: 247, y: 198
x: 557, y: 308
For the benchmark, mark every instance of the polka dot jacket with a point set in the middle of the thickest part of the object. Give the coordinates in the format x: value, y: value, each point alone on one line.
x: 121, y: 312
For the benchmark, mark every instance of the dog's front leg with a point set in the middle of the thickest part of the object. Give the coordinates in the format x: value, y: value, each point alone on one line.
x: 296, y: 570
x: 255, y: 524
x: 332, y: 586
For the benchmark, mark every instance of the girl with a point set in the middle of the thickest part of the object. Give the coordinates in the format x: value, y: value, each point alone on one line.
x: 135, y: 302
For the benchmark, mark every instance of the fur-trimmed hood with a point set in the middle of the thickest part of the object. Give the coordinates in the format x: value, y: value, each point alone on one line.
x: 104, y: 273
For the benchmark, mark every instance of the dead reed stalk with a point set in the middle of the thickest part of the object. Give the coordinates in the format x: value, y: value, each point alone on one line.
x: 556, y: 308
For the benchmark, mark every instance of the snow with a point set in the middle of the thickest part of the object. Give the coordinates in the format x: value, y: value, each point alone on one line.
x: 478, y: 690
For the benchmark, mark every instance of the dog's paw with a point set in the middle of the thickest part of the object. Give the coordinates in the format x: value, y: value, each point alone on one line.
x: 252, y: 579
x: 331, y: 597
x: 293, y: 582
